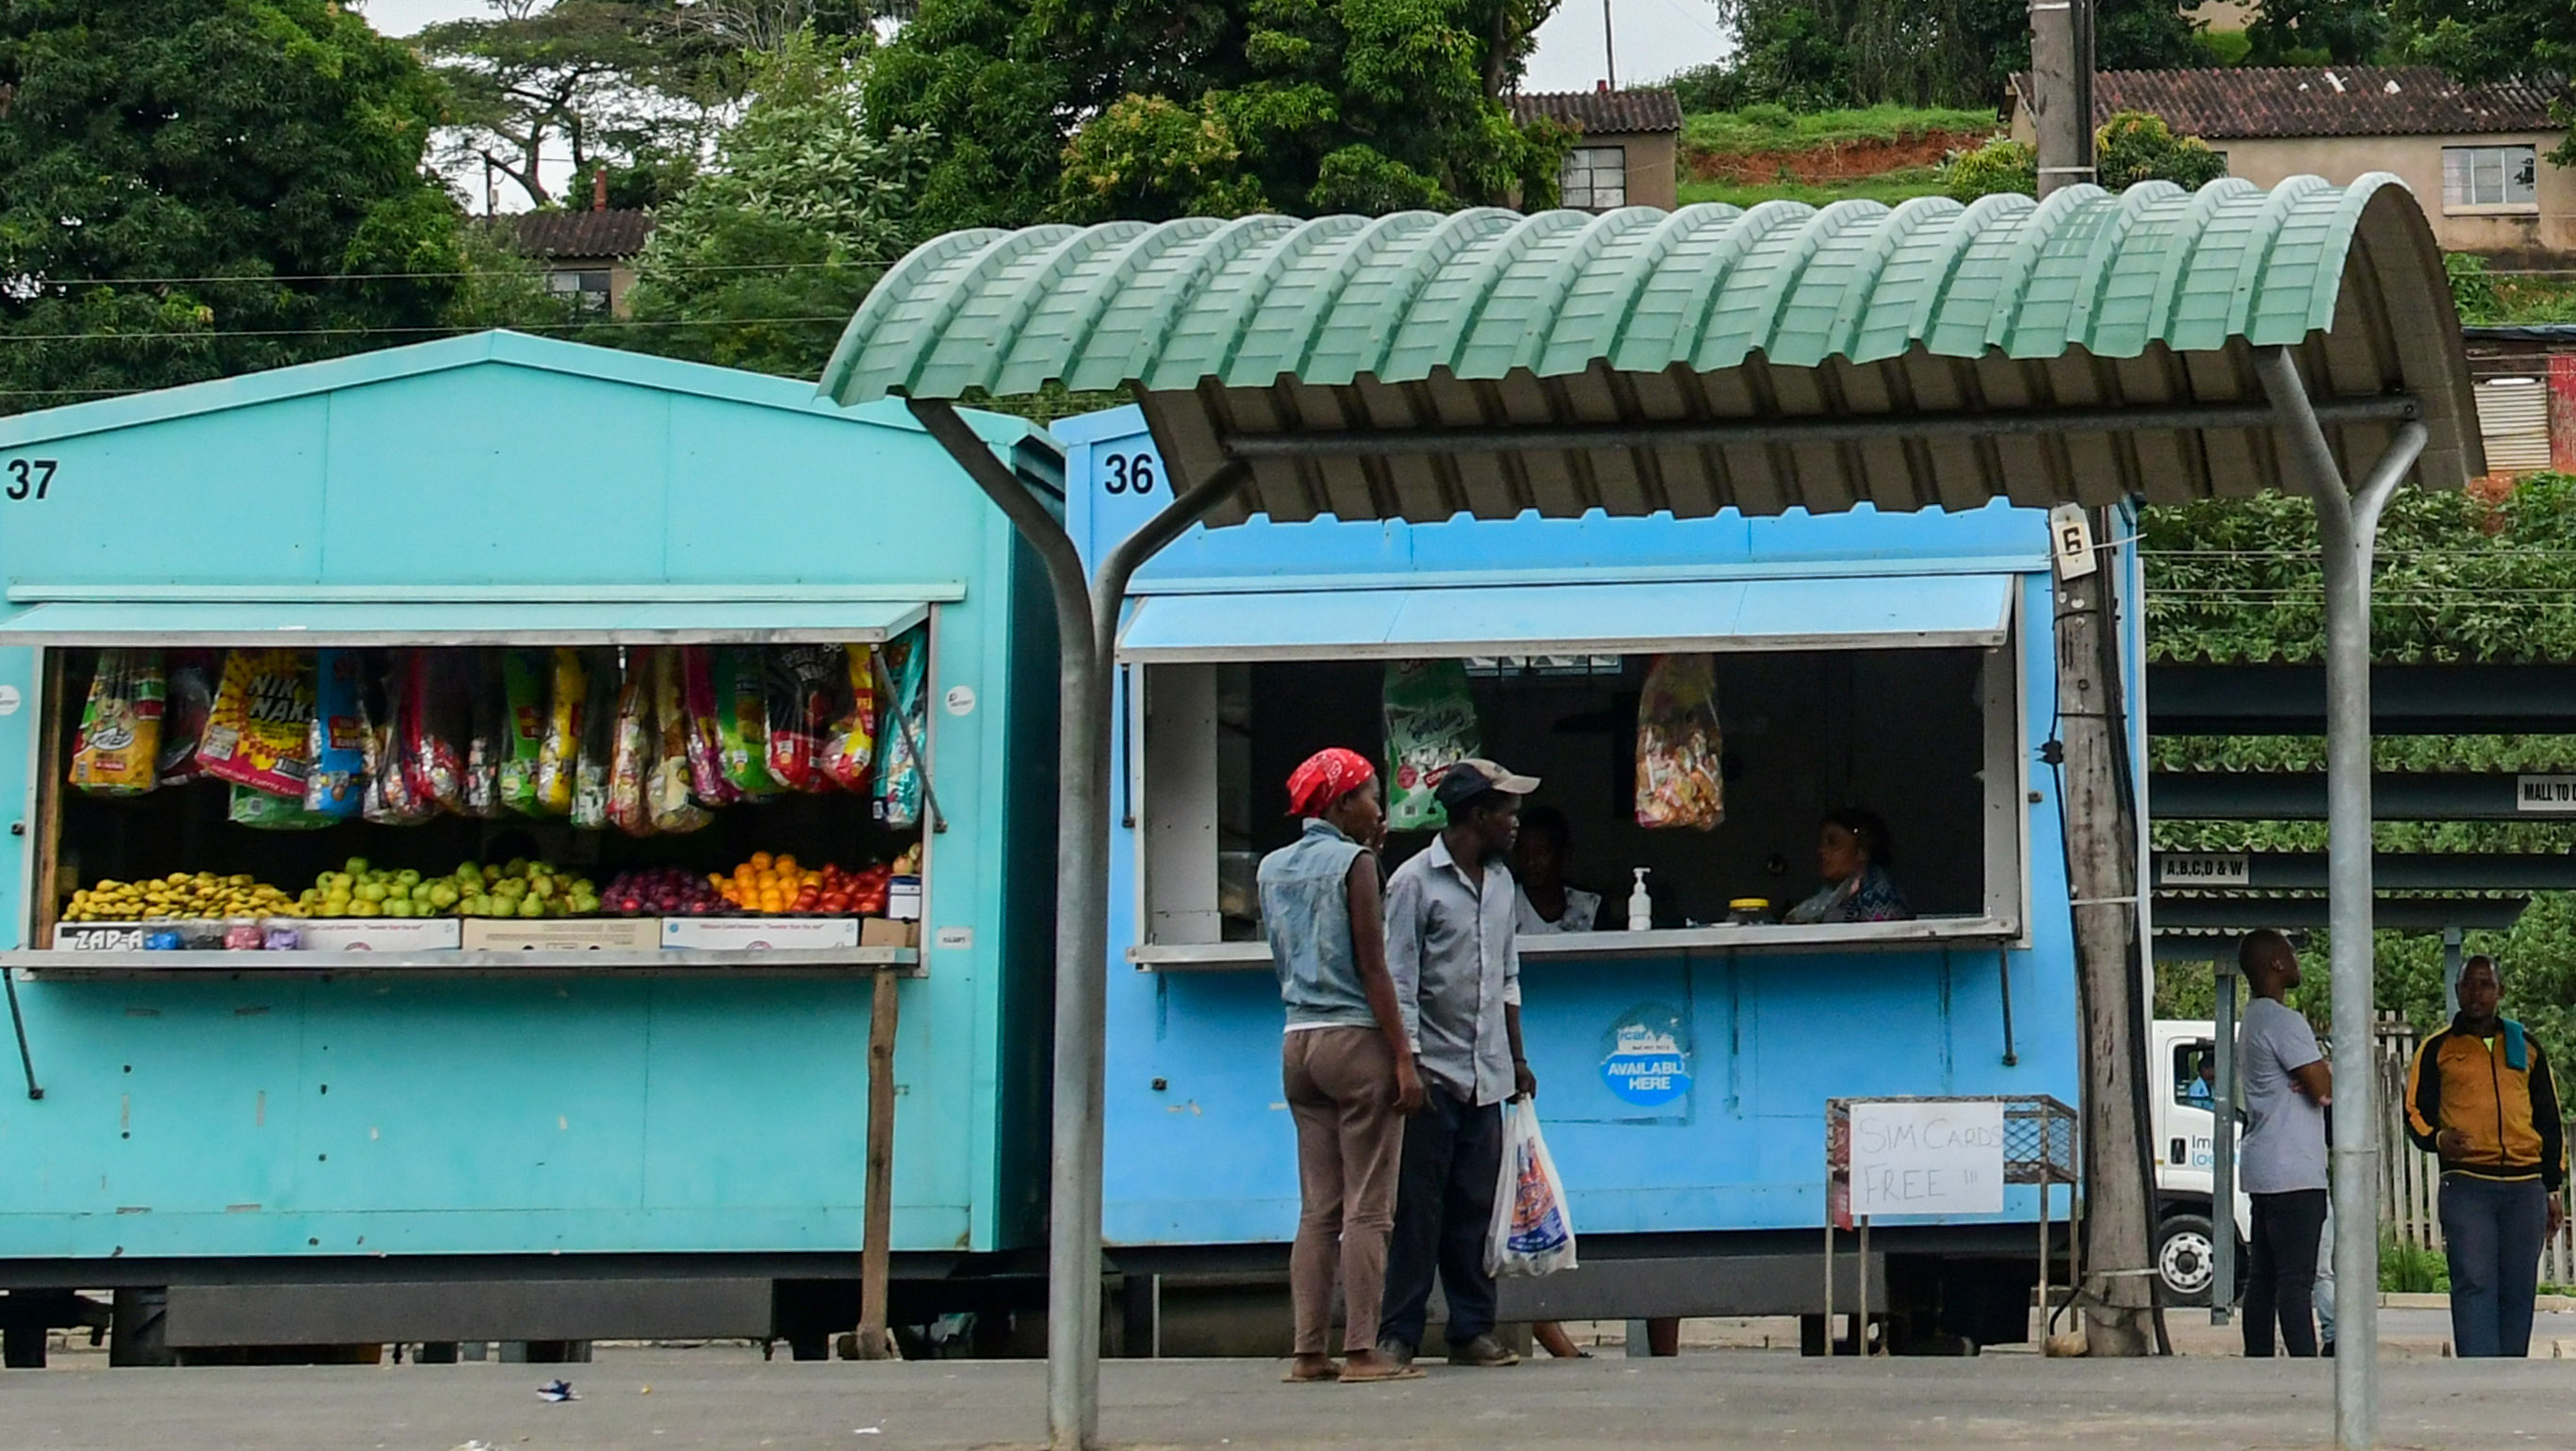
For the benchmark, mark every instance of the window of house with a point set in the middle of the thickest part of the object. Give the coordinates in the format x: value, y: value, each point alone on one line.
x: 1595, y: 178
x: 589, y: 289
x: 2490, y: 176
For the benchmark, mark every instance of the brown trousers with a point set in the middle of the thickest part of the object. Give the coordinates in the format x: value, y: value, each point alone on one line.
x: 1350, y: 1142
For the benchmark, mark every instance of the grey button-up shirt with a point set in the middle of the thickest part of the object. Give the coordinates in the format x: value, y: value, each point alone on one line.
x: 1456, y: 962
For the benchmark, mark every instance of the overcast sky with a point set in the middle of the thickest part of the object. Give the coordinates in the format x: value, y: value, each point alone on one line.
x: 1654, y: 37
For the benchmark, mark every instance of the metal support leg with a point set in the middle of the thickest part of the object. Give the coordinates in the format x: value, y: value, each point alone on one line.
x: 1860, y: 1322
x: 2222, y: 1152
x: 2047, y: 1322
x: 1829, y: 1285
x: 18, y: 1021
x: 1087, y: 613
x: 2347, y: 526
x: 2003, y: 976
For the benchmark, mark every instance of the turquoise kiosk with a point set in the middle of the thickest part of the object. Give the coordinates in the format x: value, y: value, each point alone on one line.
x: 601, y: 1137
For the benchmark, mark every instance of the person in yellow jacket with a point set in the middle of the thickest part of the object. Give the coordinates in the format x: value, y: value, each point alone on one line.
x: 2480, y: 1096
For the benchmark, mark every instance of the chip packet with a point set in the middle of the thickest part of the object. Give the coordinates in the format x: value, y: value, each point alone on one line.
x: 702, y: 735
x: 118, y: 749
x: 259, y: 730
x: 742, y: 721
x: 1430, y: 726
x: 1680, y: 752
x: 338, y: 744
x: 898, y: 784
x: 567, y: 698
x: 523, y: 686
x: 803, y: 686
x: 186, y: 698
x: 671, y: 803
x: 598, y: 748
x: 850, y: 743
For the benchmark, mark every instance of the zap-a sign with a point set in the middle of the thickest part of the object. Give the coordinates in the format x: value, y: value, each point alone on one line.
x: 1646, y: 1058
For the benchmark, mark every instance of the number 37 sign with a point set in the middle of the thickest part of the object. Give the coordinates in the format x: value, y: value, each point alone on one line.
x: 1926, y: 1158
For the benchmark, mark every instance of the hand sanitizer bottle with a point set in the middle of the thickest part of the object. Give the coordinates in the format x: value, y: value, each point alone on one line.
x: 1641, y: 908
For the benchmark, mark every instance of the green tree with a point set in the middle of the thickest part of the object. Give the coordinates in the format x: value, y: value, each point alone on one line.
x: 191, y: 188
x: 1156, y: 107
x: 1818, y: 54
x: 593, y: 82
x: 2294, y: 32
x: 2493, y: 40
x: 761, y: 261
x: 2133, y: 147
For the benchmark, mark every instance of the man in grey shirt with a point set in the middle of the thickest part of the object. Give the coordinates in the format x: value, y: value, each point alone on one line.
x: 1451, y: 946
x: 2282, y: 1159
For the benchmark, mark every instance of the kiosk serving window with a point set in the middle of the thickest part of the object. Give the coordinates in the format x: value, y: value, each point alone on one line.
x: 626, y: 785
x: 1919, y: 725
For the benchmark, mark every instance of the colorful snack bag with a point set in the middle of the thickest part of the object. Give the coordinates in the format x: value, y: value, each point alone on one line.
x: 635, y: 736
x: 259, y: 731
x: 1430, y: 726
x: 388, y: 799
x: 742, y: 721
x: 263, y: 812
x: 118, y: 749
x: 850, y: 743
x: 487, y: 732
x: 338, y: 744
x: 803, y: 681
x: 670, y: 800
x: 523, y: 684
x: 188, y: 696
x: 1680, y: 780
x: 567, y: 697
x: 898, y: 788
x: 596, y: 756
x: 705, y: 737
x: 433, y: 760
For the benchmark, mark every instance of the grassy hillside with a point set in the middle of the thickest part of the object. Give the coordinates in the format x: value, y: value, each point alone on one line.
x: 1889, y: 187
x: 1776, y: 128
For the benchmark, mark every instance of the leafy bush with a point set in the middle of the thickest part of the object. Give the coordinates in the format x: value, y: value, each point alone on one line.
x: 2472, y: 290
x: 2134, y: 146
x: 2406, y: 1270
x: 2001, y: 165
x: 1769, y: 115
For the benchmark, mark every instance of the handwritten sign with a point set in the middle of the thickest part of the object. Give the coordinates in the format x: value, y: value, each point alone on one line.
x: 1927, y: 1158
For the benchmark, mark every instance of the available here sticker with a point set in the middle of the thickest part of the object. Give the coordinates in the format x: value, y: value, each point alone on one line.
x: 1646, y: 1056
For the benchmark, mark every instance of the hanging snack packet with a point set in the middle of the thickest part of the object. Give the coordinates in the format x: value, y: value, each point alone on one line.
x: 487, y: 732
x: 801, y: 685
x: 906, y: 660
x: 634, y: 738
x: 432, y: 729
x: 263, y: 812
x: 523, y: 685
x: 259, y: 731
x: 118, y: 749
x: 567, y: 698
x: 742, y: 721
x: 338, y: 744
x: 387, y: 798
x: 1430, y: 726
x: 187, y: 697
x: 705, y: 736
x: 592, y: 762
x: 670, y: 799
x: 850, y: 744
x: 1680, y: 780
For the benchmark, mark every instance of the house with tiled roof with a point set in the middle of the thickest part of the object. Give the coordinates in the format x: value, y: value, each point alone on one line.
x: 1626, y: 150
x: 588, y: 256
x: 2476, y: 155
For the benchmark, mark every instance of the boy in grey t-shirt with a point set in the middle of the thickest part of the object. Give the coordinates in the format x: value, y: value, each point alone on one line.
x: 2282, y: 1159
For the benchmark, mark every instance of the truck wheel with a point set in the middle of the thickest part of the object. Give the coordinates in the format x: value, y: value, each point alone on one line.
x: 2186, y: 1259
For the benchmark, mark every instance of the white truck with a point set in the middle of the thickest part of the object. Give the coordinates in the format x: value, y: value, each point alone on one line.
x: 2186, y: 1259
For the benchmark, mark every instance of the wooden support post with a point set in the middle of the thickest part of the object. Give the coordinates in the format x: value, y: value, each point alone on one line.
x: 874, y: 1342
x: 48, y: 825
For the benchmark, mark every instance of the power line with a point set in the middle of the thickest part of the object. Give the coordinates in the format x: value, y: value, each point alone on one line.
x: 411, y: 276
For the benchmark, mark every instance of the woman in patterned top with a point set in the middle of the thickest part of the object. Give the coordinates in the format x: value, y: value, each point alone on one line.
x: 1853, y: 854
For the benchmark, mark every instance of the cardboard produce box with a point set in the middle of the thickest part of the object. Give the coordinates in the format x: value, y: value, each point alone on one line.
x: 587, y: 934
x: 882, y: 932
x: 756, y: 934
x: 128, y: 936
x: 382, y: 934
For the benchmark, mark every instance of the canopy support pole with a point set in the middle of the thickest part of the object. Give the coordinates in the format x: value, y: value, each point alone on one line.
x: 1087, y: 613
x: 2347, y: 528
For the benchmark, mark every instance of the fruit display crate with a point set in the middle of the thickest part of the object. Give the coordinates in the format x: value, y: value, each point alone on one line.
x: 655, y: 962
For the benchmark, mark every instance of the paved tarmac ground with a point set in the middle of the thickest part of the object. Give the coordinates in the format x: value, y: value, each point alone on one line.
x: 728, y: 1399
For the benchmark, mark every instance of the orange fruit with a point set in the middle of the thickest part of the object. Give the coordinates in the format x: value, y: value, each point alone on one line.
x: 761, y: 861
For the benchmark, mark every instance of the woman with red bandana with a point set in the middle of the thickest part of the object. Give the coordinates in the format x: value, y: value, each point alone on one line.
x: 1345, y: 1062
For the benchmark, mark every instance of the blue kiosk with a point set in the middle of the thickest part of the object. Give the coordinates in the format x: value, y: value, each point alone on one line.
x: 1897, y: 662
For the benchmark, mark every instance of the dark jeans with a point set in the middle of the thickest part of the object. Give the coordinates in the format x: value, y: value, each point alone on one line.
x: 1444, y: 1209
x: 2491, y: 1234
x: 2283, y: 1272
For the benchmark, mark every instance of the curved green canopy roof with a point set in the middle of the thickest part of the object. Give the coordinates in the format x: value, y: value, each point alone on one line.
x: 1243, y: 336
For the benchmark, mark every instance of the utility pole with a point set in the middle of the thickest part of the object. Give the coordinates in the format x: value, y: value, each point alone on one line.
x: 1609, y: 58
x: 2100, y: 817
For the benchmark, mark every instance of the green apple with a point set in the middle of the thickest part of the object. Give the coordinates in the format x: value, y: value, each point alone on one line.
x: 355, y: 866
x: 532, y: 907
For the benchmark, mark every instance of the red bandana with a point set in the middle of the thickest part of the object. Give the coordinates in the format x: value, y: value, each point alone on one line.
x: 1327, y: 777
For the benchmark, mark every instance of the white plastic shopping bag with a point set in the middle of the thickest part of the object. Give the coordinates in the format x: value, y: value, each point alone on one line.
x: 1532, y: 1233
